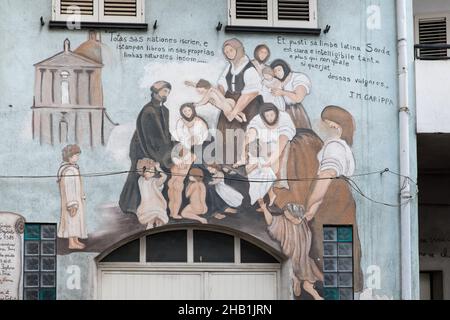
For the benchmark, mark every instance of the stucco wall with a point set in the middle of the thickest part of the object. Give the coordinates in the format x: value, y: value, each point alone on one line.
x: 126, y: 84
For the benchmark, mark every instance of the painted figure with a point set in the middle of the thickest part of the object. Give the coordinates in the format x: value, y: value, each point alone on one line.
x: 294, y: 235
x: 213, y: 95
x: 182, y: 163
x: 227, y: 193
x: 152, y: 210
x: 72, y: 223
x: 327, y: 200
x: 196, y: 193
x: 261, y: 56
x: 151, y: 140
x: 295, y: 87
x: 191, y: 129
x: 269, y: 84
x: 274, y: 130
x: 240, y: 82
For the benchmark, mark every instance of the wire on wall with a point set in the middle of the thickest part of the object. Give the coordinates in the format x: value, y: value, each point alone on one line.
x: 349, y: 179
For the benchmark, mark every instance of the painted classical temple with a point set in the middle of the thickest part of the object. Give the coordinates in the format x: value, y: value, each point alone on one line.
x: 68, y: 97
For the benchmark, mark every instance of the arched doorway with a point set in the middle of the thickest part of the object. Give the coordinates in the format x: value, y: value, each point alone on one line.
x: 195, y: 263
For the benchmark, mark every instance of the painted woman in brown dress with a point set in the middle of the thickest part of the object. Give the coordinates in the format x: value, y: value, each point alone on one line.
x: 330, y: 201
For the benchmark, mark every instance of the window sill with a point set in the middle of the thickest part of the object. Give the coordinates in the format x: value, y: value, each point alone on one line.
x: 101, y: 25
x: 276, y: 30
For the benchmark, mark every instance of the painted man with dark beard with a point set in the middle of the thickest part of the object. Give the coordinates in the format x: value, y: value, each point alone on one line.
x: 152, y: 140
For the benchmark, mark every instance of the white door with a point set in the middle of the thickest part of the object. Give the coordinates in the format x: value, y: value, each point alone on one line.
x: 242, y: 286
x: 148, y: 285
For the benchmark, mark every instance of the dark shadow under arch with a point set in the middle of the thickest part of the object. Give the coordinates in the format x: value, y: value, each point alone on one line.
x: 276, y: 253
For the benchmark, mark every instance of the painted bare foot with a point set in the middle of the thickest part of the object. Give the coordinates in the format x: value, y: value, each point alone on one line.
x: 159, y: 223
x: 203, y: 220
x: 272, y: 197
x: 80, y: 244
x: 231, y: 210
x: 309, y: 287
x: 297, y: 287
x: 75, y: 246
x: 176, y: 217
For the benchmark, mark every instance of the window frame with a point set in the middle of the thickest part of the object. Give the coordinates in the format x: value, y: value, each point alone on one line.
x: 40, y: 288
x: 99, y: 16
x: 190, y: 253
x: 417, y: 17
x: 273, y: 21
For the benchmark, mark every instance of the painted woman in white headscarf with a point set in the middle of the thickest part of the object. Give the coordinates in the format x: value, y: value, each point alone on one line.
x: 273, y: 129
x: 241, y: 82
x: 295, y: 87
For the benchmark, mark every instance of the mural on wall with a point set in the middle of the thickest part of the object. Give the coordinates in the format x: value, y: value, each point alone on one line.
x: 249, y: 169
x: 68, y: 99
x: 72, y: 223
x: 11, y: 243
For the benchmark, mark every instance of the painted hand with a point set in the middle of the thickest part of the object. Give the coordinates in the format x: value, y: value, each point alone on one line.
x: 309, y: 216
x: 277, y: 92
x: 73, y: 211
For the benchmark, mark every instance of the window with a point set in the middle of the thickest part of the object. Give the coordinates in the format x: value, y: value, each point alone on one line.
x: 110, y: 11
x: 190, y: 247
x: 273, y: 13
x: 431, y: 285
x: 39, y: 270
x: 213, y: 247
x: 126, y: 253
x: 433, y: 30
x: 338, y: 262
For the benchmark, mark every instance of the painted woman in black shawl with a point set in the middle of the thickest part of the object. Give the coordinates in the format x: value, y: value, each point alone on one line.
x: 151, y: 140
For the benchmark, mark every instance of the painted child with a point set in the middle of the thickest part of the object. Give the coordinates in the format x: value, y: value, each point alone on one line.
x: 213, y: 95
x: 196, y: 193
x: 228, y: 194
x: 152, y: 210
x: 270, y: 83
x: 72, y: 224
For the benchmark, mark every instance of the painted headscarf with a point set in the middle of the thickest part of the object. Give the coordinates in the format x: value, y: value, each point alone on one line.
x: 190, y: 106
x: 265, y: 107
x: 286, y: 68
x: 259, y: 47
x: 344, y: 119
x: 297, y: 210
x: 238, y: 46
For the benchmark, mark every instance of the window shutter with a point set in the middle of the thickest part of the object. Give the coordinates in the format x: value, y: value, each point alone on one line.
x: 86, y: 7
x: 293, y: 10
x: 251, y: 12
x: 121, y: 11
x: 66, y: 10
x: 295, y: 13
x: 433, y: 31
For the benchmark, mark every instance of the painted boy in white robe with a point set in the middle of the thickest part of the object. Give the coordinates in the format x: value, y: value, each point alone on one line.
x: 72, y: 224
x: 152, y: 210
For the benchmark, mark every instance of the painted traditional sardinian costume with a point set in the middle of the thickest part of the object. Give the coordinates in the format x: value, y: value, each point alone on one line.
x: 261, y: 177
x: 290, y: 82
x: 239, y: 78
x: 72, y: 196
